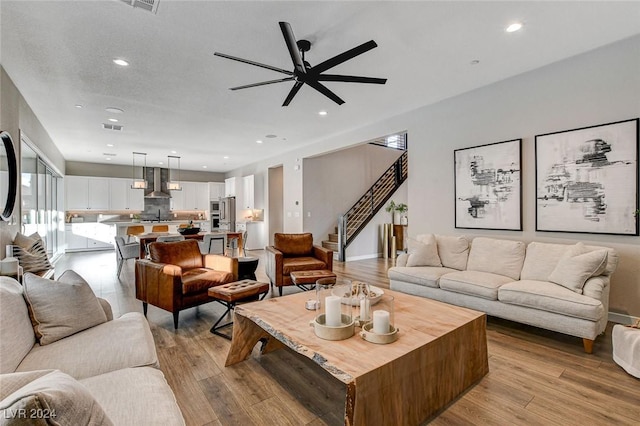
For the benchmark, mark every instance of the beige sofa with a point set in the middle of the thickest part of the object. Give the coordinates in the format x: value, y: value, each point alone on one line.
x: 105, y: 374
x: 559, y: 287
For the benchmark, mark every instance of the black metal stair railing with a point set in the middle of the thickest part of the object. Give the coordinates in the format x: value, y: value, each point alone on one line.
x: 358, y: 216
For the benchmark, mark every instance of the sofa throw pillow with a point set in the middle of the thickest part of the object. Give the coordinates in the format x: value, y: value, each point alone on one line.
x: 53, y: 398
x: 453, y: 251
x: 31, y: 253
x: 576, y: 267
x: 423, y: 252
x: 61, y: 308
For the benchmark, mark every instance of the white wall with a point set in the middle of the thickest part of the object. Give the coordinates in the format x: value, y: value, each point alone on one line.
x: 593, y: 88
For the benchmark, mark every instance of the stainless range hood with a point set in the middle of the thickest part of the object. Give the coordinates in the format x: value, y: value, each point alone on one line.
x: 157, y: 185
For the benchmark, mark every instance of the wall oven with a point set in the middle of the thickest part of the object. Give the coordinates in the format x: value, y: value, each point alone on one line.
x: 215, y: 215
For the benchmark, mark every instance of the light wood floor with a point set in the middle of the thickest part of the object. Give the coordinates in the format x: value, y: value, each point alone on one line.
x: 536, y: 377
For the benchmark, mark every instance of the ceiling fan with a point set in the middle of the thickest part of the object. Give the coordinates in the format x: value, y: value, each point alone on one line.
x: 304, y: 73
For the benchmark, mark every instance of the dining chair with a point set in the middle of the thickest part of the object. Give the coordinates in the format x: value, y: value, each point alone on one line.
x: 160, y: 228
x: 170, y: 238
x: 213, y: 243
x: 125, y: 251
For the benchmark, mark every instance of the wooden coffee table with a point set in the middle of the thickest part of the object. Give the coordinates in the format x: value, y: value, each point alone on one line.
x: 440, y: 352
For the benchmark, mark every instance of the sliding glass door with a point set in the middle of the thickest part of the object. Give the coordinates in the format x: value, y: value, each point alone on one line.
x: 42, y: 203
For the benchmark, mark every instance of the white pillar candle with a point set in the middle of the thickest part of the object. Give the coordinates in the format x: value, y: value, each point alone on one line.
x: 365, y: 304
x: 333, y: 315
x: 380, y: 322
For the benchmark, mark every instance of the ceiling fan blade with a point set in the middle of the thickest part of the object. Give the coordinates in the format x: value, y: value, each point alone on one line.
x: 325, y: 91
x: 292, y: 93
x: 344, y: 56
x: 257, y: 64
x: 262, y: 83
x: 351, y: 79
x: 290, y: 40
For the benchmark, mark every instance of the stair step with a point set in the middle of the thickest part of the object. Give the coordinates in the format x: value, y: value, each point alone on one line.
x: 330, y: 245
x: 333, y: 238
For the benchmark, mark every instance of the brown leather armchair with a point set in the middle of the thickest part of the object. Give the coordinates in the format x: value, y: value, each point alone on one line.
x: 177, y: 276
x: 294, y: 252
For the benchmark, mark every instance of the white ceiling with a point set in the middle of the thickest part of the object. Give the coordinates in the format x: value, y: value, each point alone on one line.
x: 175, y: 92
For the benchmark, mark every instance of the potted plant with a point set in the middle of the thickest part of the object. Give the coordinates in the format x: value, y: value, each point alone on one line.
x: 391, y: 208
x: 402, y: 209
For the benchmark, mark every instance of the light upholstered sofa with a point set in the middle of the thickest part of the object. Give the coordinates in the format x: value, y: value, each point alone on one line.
x: 72, y: 363
x: 559, y: 287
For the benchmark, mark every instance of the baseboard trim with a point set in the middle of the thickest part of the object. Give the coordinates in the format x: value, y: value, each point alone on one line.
x: 622, y: 318
x: 364, y: 256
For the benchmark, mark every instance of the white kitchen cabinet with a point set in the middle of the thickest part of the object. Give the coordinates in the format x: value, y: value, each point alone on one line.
x: 89, y: 236
x: 177, y: 198
x: 230, y: 187
x: 216, y: 190
x: 122, y: 197
x: 194, y: 196
x: 87, y: 193
x: 248, y: 190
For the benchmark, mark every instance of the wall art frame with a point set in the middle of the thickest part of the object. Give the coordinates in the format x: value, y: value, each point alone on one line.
x: 488, y: 186
x: 587, y: 179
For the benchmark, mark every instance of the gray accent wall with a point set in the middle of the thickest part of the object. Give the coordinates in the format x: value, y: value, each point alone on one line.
x: 593, y: 88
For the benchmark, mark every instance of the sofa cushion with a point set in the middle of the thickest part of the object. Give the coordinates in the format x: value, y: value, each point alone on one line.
x: 17, y: 336
x: 502, y: 257
x: 292, y: 264
x: 136, y: 396
x: 121, y: 343
x: 427, y: 276
x: 200, y: 279
x: 293, y: 244
x: 61, y: 308
x: 575, y: 267
x: 423, y: 252
x: 550, y: 297
x: 185, y: 254
x: 541, y: 259
x: 53, y: 398
x: 474, y: 283
x: 453, y: 251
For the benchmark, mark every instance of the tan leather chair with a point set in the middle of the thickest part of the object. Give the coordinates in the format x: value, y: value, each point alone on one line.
x: 294, y: 252
x: 178, y: 277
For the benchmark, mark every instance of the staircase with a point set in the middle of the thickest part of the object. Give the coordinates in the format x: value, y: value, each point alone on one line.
x: 332, y: 242
x: 358, y: 216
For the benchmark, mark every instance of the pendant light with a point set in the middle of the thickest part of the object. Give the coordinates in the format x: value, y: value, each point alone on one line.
x: 139, y: 183
x: 173, y: 184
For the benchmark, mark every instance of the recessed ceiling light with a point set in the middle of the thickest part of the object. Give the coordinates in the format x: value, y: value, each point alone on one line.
x: 113, y: 120
x: 110, y: 145
x: 514, y: 27
x: 226, y: 157
x: 258, y: 141
x: 174, y: 152
x: 114, y: 110
x: 78, y: 106
x: 204, y: 167
x: 121, y: 62
x: 108, y: 158
x: 323, y: 113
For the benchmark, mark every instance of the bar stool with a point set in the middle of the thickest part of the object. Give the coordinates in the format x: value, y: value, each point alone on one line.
x: 134, y: 230
x: 160, y: 228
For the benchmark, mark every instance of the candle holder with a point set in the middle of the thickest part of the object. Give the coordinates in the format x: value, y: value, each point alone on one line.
x: 334, y: 319
x: 362, y: 301
x: 381, y: 328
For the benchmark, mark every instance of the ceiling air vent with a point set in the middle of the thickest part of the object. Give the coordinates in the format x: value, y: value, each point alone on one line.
x: 115, y: 127
x: 150, y: 5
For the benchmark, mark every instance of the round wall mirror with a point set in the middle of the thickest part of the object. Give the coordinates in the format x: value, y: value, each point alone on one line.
x: 8, y: 176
